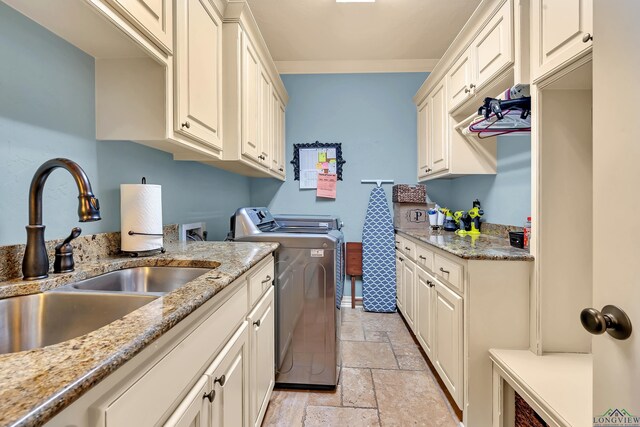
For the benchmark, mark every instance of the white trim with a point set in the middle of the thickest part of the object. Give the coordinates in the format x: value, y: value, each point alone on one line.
x: 357, y: 66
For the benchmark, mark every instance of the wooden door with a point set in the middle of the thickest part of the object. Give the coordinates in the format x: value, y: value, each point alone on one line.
x: 447, y: 347
x: 194, y: 411
x: 616, y: 60
x: 229, y: 378
x: 424, y: 139
x: 424, y: 310
x: 439, y: 142
x: 558, y: 29
x: 409, y: 282
x: 492, y: 50
x: 459, y: 80
x: 153, y: 17
x: 262, y: 344
x: 199, y: 72
x: 251, y: 147
x: 399, y: 282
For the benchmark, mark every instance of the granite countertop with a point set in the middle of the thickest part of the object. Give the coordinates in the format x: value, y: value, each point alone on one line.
x: 480, y: 247
x: 37, y: 384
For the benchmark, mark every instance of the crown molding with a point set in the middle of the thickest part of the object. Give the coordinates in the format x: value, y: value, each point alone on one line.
x: 356, y: 66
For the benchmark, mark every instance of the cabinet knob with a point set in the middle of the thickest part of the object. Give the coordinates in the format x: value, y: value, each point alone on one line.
x: 281, y: 169
x: 430, y: 283
x: 421, y: 257
x: 427, y: 170
x: 444, y: 271
x: 587, y: 38
x: 407, y: 248
x: 472, y: 86
x: 612, y: 320
x: 186, y: 124
x: 266, y: 280
x: 401, y: 259
x: 257, y: 323
x: 211, y: 395
x: 221, y: 380
x: 466, y: 90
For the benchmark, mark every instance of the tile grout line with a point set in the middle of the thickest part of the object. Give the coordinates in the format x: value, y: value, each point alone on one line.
x: 375, y: 396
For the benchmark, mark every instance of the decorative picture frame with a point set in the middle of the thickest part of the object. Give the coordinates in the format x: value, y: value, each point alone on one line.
x: 296, y: 157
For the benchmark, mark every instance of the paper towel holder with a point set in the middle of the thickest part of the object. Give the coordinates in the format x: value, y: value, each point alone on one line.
x: 134, y: 233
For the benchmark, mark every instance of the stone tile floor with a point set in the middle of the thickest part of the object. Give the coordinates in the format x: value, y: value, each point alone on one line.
x: 385, y: 381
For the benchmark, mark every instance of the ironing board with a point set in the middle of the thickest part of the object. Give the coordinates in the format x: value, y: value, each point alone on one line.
x: 378, y: 256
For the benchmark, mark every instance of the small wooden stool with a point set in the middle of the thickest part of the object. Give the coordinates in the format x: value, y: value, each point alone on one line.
x: 353, y: 266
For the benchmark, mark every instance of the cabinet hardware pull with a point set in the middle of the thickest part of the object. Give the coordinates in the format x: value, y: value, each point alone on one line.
x: 211, y: 395
x: 421, y: 257
x: 267, y: 280
x: 186, y: 124
x: 407, y: 249
x: 444, y: 271
x: 587, y: 38
x: 281, y: 170
x: 257, y: 323
x: 472, y: 86
x: 221, y: 380
x: 611, y: 319
x: 401, y: 259
x: 466, y: 90
x: 430, y: 283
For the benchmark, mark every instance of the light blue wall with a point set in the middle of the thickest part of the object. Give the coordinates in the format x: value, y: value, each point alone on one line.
x: 374, y: 118
x: 47, y: 110
x: 505, y: 197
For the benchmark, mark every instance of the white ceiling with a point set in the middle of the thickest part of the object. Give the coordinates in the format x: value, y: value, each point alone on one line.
x: 387, y: 30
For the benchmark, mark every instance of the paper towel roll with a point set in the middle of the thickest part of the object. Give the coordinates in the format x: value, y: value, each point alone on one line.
x: 140, y: 212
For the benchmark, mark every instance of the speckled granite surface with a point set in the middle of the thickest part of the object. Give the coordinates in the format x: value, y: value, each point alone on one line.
x: 481, y: 247
x: 37, y: 384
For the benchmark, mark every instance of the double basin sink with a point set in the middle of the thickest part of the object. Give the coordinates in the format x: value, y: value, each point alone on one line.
x: 35, y: 321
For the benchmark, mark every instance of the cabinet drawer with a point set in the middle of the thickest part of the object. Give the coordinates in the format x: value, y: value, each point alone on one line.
x: 409, y: 249
x: 146, y: 401
x: 260, y: 281
x: 448, y: 271
x: 424, y: 257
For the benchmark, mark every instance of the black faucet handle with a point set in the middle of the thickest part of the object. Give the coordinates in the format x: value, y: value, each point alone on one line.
x: 64, y: 253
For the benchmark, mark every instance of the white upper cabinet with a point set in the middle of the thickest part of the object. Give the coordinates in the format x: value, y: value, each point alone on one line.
x: 424, y: 138
x: 439, y: 146
x: 561, y: 31
x: 251, y: 146
x: 198, y: 72
x: 152, y: 17
x: 278, y: 147
x: 459, y: 82
x: 492, y: 50
x: 266, y: 122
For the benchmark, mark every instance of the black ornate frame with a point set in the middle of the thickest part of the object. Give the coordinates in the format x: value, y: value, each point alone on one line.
x: 296, y: 157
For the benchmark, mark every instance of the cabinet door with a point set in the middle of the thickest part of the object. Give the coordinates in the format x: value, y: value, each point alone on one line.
x: 282, y: 117
x: 265, y: 143
x: 424, y: 310
x: 278, y: 148
x: 447, y: 338
x: 459, y: 81
x: 198, y: 72
x: 399, y: 282
x: 557, y: 30
x: 492, y: 50
x: 409, y: 281
x: 194, y: 411
x: 250, y: 101
x: 439, y: 143
x: 153, y: 17
x: 424, y: 138
x: 229, y: 379
x: 262, y: 344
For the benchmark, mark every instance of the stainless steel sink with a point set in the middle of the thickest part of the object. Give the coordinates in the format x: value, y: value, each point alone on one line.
x: 142, y: 279
x: 35, y: 321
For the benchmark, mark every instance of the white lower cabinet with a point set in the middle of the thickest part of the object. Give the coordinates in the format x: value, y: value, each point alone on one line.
x: 228, y: 380
x: 409, y: 282
x: 447, y: 337
x: 424, y: 304
x: 262, y: 344
x: 195, y: 409
x: 399, y: 284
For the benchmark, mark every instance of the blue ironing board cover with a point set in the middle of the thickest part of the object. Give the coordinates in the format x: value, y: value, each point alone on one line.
x: 378, y: 256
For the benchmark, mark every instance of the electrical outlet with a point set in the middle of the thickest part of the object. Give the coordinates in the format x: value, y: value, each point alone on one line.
x: 193, y: 232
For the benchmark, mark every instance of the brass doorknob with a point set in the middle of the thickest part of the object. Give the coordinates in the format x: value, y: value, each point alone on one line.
x: 611, y: 320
